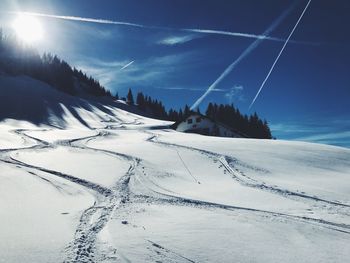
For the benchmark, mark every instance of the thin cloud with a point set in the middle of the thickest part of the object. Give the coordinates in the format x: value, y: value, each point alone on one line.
x: 340, y: 138
x: 291, y: 128
x: 104, y: 63
x: 127, y: 65
x: 325, y: 136
x: 176, y: 40
x: 326, y: 130
x: 235, y: 93
x: 144, y: 73
x: 311, y: 123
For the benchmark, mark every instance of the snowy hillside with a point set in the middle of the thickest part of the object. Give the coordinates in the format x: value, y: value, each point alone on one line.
x: 27, y: 99
x: 95, y: 183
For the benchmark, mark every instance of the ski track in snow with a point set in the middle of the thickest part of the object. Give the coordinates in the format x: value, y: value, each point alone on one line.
x: 85, y: 246
x: 229, y: 163
x: 160, y: 253
x: 93, y: 219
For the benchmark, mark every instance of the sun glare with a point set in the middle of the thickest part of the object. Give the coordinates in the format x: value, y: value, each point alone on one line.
x: 28, y: 28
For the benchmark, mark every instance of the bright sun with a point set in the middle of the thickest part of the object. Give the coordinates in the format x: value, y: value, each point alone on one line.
x: 28, y: 28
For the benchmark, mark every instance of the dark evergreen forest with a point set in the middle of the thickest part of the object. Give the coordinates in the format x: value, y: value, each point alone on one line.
x: 252, y: 126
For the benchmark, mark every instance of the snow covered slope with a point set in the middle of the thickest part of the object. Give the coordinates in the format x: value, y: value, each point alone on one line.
x: 27, y: 99
x: 95, y: 183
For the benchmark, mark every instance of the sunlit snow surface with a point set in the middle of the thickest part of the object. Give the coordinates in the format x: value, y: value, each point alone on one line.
x: 122, y: 191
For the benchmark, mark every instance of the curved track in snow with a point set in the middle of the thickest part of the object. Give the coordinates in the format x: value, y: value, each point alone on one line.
x: 229, y: 164
x: 86, y: 245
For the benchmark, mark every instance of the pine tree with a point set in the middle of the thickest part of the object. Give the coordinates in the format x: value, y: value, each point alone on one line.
x: 251, y: 126
x: 140, y: 101
x: 187, y: 111
x: 209, y: 111
x: 267, y: 131
x: 130, y: 98
x: 181, y: 115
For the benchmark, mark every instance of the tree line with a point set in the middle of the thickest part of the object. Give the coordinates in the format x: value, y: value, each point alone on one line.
x: 252, y: 126
x: 17, y: 58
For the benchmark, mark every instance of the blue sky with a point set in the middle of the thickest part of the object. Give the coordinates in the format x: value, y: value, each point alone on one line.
x: 306, y: 97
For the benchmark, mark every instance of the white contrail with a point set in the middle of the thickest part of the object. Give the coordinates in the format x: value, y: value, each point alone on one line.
x: 245, y: 35
x: 228, y: 33
x: 279, y: 54
x: 193, y: 30
x: 247, y: 51
x: 77, y: 18
x: 127, y: 65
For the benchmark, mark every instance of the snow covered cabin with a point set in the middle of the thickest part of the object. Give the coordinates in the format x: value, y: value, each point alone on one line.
x: 198, y: 123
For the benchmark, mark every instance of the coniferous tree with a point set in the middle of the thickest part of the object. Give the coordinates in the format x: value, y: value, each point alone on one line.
x: 140, y: 100
x: 252, y: 126
x: 210, y: 110
x: 187, y: 111
x: 171, y: 115
x: 130, y: 98
x: 181, y: 115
